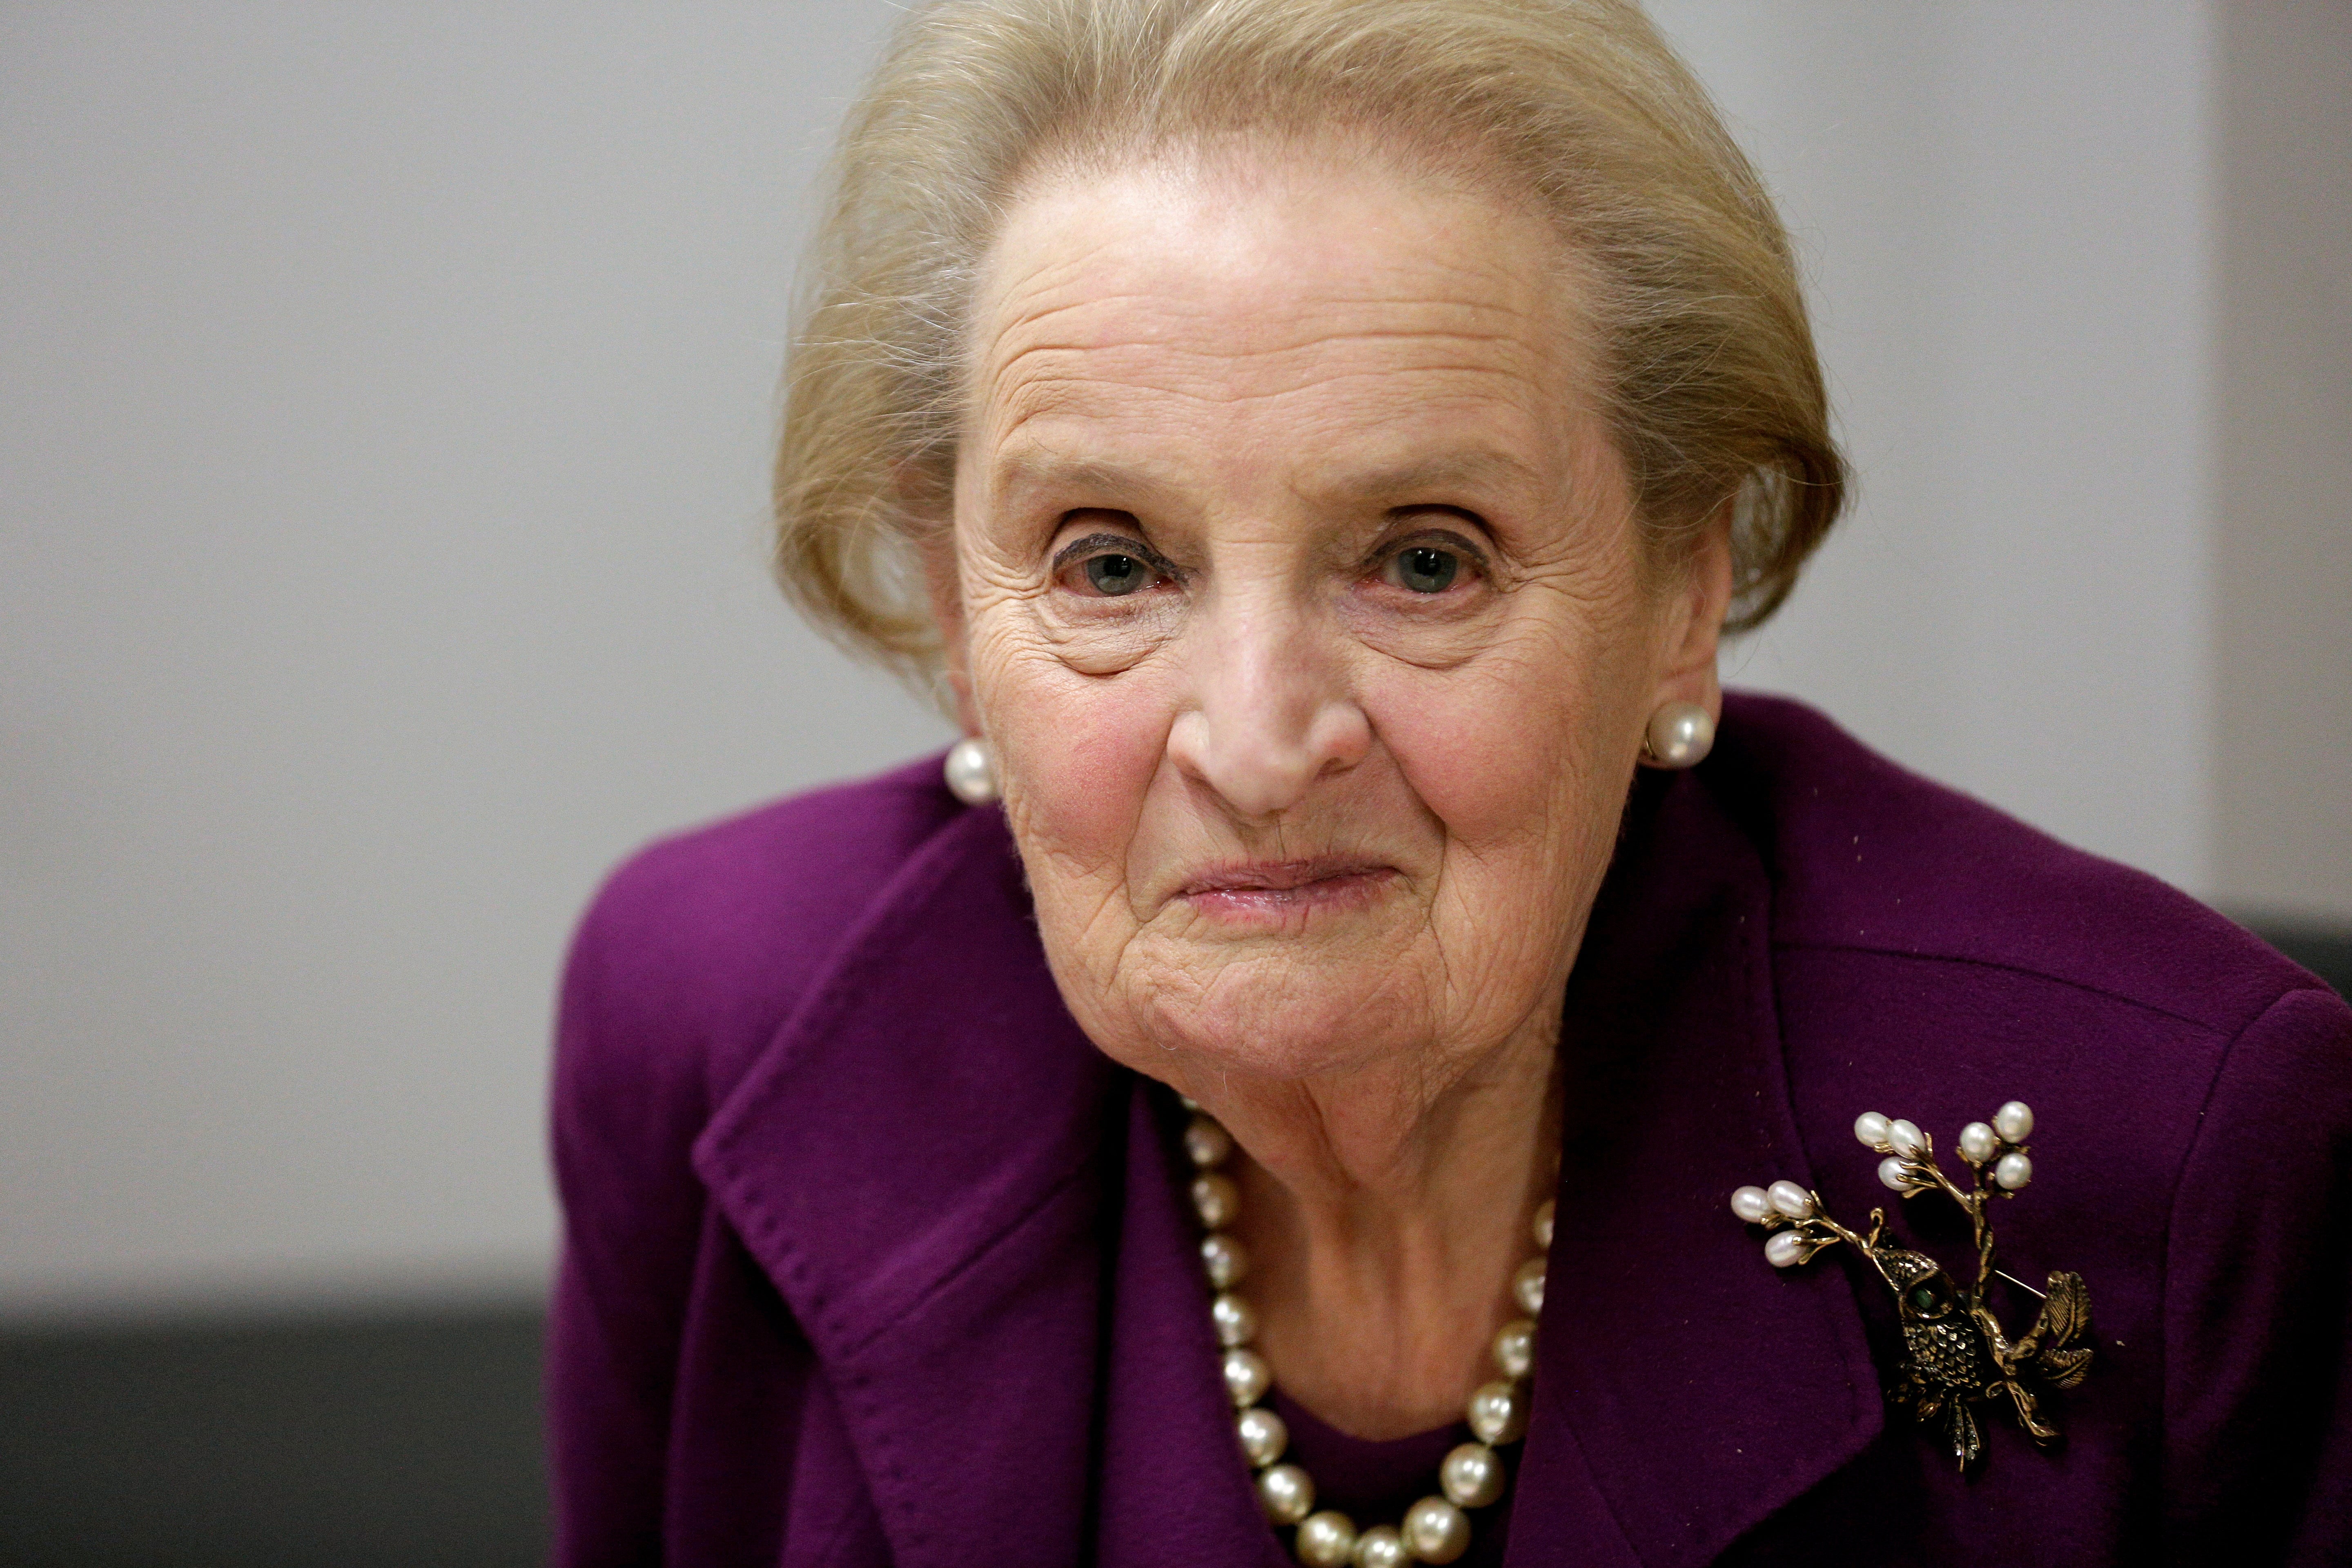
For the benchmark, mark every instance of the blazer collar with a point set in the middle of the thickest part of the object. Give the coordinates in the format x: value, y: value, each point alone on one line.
x: 915, y: 1161
x: 940, y: 1172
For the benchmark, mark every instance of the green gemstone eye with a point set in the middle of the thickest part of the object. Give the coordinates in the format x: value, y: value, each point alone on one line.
x: 1931, y: 1298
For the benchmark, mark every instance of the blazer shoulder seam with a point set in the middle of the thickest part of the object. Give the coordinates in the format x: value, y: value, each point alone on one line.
x: 2087, y: 988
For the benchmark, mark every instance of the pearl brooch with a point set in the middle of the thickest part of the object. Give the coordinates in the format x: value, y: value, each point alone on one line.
x: 1435, y: 1529
x: 1956, y: 1354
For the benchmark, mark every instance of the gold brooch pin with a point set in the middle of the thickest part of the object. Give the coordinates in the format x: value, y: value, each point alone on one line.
x: 1956, y: 1354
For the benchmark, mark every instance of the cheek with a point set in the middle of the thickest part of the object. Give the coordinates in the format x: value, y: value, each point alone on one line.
x: 1076, y: 755
x: 1515, y: 752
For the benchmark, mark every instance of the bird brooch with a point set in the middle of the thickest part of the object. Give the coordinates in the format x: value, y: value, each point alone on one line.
x: 1956, y: 1354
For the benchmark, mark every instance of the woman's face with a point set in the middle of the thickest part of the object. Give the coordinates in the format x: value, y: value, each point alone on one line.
x: 1299, y: 598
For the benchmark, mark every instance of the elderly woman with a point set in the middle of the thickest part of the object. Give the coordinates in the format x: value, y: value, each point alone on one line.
x: 1276, y: 1097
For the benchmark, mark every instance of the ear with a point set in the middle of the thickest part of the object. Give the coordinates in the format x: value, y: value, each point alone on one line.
x: 1695, y: 605
x: 944, y: 587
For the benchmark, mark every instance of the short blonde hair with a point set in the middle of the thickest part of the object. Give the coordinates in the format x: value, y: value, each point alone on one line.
x: 1711, y: 386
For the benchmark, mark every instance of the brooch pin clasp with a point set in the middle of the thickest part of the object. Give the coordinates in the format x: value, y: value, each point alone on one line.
x: 1956, y: 1354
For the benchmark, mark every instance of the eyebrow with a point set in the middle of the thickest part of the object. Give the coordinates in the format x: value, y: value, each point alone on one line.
x: 1033, y: 471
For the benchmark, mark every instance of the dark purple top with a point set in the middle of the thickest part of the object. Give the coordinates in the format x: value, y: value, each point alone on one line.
x: 871, y: 1259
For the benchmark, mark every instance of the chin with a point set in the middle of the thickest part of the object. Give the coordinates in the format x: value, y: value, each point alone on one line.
x: 1283, y: 1016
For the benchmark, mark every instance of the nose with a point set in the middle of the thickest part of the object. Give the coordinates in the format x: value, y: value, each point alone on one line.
x: 1271, y: 710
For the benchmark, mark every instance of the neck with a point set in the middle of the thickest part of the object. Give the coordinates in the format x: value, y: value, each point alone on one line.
x: 1384, y: 1211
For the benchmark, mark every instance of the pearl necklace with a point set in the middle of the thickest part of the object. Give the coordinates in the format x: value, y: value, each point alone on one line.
x: 1435, y: 1529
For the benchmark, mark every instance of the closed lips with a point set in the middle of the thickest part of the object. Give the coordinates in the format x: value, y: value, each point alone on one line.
x: 1282, y: 877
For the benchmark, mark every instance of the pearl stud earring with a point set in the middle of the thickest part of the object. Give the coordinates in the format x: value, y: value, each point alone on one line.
x: 1680, y: 736
x: 971, y: 771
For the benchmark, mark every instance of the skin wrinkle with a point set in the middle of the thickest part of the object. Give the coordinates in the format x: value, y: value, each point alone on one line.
x: 1261, y: 377
x: 1507, y: 575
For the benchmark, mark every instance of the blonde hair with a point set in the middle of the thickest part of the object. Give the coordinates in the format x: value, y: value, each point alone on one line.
x: 1710, y: 384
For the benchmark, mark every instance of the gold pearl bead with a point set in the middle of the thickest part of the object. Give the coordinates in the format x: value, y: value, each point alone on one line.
x: 1247, y: 1377
x: 1215, y: 1199
x: 1515, y: 1348
x: 1381, y: 1547
x: 1435, y: 1531
x: 1225, y: 1259
x: 1263, y: 1436
x: 1326, y: 1540
x: 1236, y: 1322
x: 1528, y: 1287
x: 1472, y: 1476
x: 1287, y: 1493
x: 1206, y: 1143
x: 1498, y: 1413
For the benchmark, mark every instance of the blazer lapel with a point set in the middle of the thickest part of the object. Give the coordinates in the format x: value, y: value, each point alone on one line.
x: 917, y: 1162
x: 1696, y: 1387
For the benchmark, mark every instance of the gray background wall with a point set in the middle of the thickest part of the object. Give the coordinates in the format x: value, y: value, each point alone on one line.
x: 384, y: 408
x: 2280, y: 525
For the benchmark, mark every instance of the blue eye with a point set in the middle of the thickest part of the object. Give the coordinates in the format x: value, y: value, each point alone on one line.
x: 1114, y: 575
x: 1427, y: 570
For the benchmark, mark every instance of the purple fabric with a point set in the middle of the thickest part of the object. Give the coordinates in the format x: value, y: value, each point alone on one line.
x: 871, y: 1259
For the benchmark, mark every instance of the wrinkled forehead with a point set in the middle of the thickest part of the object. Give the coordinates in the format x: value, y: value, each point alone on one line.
x: 1258, y: 272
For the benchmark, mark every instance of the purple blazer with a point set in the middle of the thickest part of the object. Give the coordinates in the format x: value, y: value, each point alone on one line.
x: 871, y: 1259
